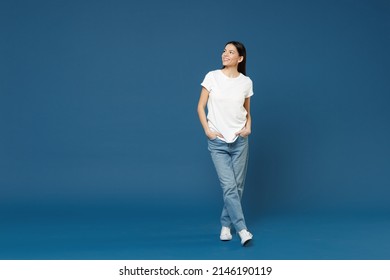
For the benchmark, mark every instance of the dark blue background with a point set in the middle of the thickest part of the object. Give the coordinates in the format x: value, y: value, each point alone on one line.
x: 98, y: 110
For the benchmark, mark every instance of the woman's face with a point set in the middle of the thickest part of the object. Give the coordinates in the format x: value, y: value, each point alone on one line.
x: 230, y: 56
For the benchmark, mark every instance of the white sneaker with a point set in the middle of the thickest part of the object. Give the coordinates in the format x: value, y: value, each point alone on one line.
x: 245, y: 236
x: 225, y: 234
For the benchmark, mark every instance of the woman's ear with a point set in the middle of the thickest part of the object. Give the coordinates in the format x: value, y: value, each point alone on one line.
x: 240, y: 59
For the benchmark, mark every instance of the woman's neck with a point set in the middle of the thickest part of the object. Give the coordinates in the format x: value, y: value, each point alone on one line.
x: 231, y: 72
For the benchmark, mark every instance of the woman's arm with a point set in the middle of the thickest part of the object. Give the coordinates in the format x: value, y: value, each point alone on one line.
x: 204, y: 96
x: 247, y: 129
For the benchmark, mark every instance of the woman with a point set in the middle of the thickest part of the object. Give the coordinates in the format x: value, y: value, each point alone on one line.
x: 227, y: 92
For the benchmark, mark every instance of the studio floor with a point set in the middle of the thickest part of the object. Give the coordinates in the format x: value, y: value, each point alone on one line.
x: 114, y: 232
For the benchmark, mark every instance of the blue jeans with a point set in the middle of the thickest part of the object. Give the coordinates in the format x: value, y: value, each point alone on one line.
x: 231, y: 161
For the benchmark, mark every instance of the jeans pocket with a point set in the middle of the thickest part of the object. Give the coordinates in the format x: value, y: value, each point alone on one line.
x: 243, y: 137
x: 212, y: 139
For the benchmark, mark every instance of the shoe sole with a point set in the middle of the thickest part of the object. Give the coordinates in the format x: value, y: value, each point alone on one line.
x: 247, y: 242
x: 226, y: 239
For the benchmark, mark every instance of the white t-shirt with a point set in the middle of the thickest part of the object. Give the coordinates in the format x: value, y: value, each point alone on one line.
x: 226, y: 112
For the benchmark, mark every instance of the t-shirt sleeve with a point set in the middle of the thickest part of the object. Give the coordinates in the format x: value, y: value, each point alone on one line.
x: 249, y: 91
x: 207, y: 82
